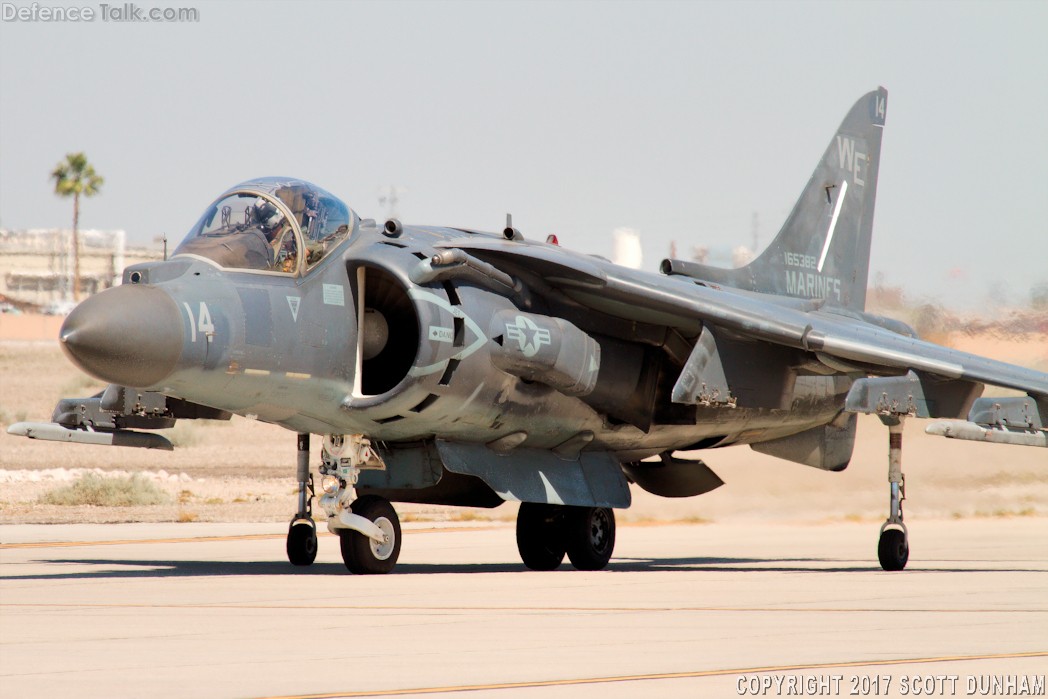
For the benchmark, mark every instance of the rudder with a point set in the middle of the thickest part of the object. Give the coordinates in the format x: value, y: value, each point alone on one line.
x: 822, y: 250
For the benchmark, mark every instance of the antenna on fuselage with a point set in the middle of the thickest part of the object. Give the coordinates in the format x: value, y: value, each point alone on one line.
x: 509, y: 231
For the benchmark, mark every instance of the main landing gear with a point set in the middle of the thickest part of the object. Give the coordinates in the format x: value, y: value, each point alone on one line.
x: 545, y: 533
x: 893, y: 548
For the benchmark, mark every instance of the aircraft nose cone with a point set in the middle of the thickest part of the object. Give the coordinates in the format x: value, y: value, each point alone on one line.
x: 129, y: 335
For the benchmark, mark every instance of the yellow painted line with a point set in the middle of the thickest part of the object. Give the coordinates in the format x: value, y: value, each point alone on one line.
x: 444, y: 609
x: 256, y: 372
x: 248, y: 537
x: 123, y: 542
x: 659, y: 676
x: 296, y: 375
x: 208, y: 539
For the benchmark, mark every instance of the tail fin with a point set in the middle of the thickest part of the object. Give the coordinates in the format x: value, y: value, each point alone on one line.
x: 823, y: 249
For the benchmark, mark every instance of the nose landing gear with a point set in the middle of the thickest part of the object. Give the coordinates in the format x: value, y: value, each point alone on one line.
x: 368, y: 555
x: 368, y: 527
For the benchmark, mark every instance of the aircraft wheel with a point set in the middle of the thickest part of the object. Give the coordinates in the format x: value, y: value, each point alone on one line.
x: 539, y: 538
x: 893, y: 549
x: 589, y: 533
x: 362, y: 554
x: 302, y: 543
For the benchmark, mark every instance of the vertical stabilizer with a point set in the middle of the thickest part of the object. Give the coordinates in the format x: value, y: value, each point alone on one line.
x: 823, y: 248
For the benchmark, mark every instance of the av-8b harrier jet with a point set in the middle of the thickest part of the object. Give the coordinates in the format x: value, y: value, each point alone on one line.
x: 458, y: 367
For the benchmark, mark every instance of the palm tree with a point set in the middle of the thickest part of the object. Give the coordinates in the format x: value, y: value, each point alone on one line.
x: 75, y: 176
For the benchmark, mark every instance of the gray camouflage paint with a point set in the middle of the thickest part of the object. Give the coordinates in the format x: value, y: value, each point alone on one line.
x: 539, y: 352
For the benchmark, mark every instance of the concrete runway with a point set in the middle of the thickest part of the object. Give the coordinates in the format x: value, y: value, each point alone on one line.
x: 205, y: 610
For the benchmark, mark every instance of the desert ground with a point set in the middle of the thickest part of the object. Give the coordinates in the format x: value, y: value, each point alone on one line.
x: 210, y: 610
x: 243, y: 471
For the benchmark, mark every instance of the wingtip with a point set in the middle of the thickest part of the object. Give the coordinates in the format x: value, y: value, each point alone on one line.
x: 19, y: 429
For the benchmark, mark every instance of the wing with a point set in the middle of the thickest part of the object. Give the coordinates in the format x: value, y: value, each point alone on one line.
x: 840, y: 339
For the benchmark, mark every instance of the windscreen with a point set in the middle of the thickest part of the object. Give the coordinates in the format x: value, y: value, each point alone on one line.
x: 244, y: 231
x: 268, y: 224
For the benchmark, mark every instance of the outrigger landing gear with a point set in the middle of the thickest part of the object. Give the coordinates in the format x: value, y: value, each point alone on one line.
x: 546, y: 532
x: 302, y: 533
x: 368, y: 527
x: 893, y: 548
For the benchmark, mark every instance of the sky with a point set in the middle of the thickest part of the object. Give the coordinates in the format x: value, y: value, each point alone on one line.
x: 686, y: 121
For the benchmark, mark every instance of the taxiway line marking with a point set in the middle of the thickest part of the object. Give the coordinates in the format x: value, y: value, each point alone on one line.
x: 529, y: 610
x: 123, y: 542
x: 660, y: 676
x: 206, y: 539
x: 250, y: 537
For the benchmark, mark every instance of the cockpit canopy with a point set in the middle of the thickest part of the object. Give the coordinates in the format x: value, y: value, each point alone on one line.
x: 272, y: 224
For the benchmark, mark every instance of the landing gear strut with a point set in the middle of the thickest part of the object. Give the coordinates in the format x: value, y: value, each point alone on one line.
x: 368, y: 527
x: 546, y: 532
x: 893, y: 548
x: 302, y: 533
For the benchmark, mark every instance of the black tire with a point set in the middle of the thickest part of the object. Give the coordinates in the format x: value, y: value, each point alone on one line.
x: 360, y: 553
x: 893, y: 549
x: 302, y: 543
x: 589, y: 535
x: 540, y: 540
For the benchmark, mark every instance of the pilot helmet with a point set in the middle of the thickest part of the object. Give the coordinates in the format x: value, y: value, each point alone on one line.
x: 267, y: 215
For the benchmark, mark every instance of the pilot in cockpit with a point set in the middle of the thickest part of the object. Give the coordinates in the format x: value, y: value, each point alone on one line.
x: 268, y: 217
x: 279, y: 235
x: 267, y: 224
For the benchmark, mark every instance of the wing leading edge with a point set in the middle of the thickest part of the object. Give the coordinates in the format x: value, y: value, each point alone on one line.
x: 909, y: 376
x: 823, y: 332
x: 812, y: 326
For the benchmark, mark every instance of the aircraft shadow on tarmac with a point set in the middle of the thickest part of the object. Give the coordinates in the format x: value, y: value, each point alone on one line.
x: 123, y: 568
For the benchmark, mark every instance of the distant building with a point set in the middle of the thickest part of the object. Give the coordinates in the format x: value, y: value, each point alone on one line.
x: 626, y: 248
x: 36, y: 265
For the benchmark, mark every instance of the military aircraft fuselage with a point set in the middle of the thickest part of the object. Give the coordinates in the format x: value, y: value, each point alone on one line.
x: 458, y: 367
x: 461, y: 352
